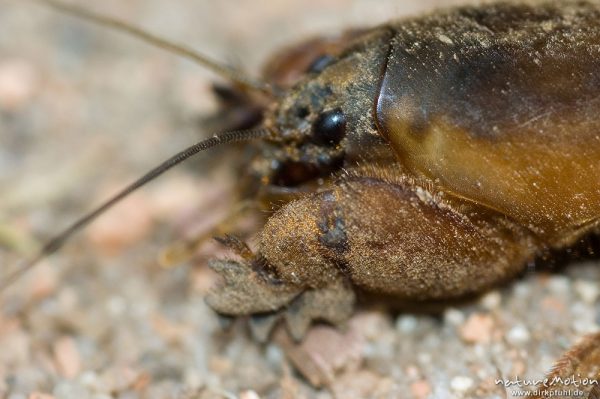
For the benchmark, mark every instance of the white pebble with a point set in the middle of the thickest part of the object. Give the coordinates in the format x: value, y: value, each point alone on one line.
x: 521, y: 290
x: 491, y: 300
x: 406, y: 324
x: 90, y: 380
x: 461, y: 383
x: 519, y: 334
x: 70, y: 390
x: 481, y: 351
x: 587, y: 291
x: 559, y: 284
x: 193, y: 378
x: 116, y: 305
x: 582, y: 326
x: 424, y: 358
x: 454, y: 317
x: 274, y: 354
x: 249, y: 395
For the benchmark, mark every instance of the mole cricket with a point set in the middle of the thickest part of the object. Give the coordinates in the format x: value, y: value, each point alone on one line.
x: 427, y: 159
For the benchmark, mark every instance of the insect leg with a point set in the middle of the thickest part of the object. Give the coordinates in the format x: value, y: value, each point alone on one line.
x: 580, y: 365
x: 394, y: 239
x: 382, y: 237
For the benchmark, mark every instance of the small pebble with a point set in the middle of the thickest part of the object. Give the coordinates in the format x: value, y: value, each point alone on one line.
x: 477, y: 329
x: 406, y: 323
x: 369, y: 324
x: 412, y: 372
x: 116, y: 305
x: 116, y: 378
x: 39, y: 395
x: 323, y: 352
x: 424, y: 358
x: 517, y: 335
x: 274, y: 354
x: 177, y: 194
x: 583, y: 326
x: 18, y: 84
x: 193, y: 379
x: 43, y: 283
x: 68, y: 299
x: 249, y: 395
x: 420, y: 389
x: 519, y: 367
x: 69, y: 390
x: 361, y: 384
x: 587, y: 291
x: 461, y: 384
x: 558, y: 285
x: 553, y: 304
x: 521, y: 290
x: 481, y: 351
x: 491, y: 300
x: 454, y: 317
x: 66, y: 356
x: 90, y: 380
x: 126, y: 224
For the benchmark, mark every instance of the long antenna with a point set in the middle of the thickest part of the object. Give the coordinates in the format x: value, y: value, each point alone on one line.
x: 54, y: 244
x: 179, y: 49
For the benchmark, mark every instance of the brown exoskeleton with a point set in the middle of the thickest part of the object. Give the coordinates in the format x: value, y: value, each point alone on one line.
x: 426, y: 159
x: 469, y: 144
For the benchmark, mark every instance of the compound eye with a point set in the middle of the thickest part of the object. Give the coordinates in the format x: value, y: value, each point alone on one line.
x: 329, y: 128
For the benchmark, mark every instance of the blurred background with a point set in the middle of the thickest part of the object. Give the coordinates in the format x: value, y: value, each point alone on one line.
x: 84, y: 110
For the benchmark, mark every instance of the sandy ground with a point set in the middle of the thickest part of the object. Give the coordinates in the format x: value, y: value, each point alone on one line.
x: 83, y: 111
